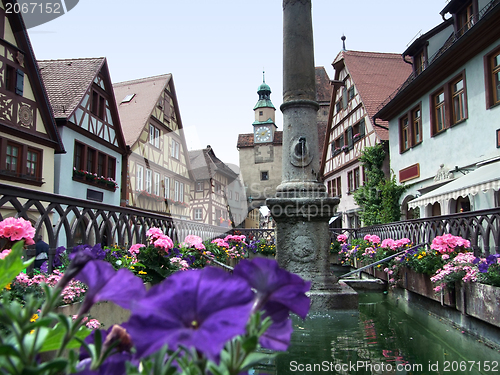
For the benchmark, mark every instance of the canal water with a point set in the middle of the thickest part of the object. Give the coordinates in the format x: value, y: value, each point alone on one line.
x: 381, y: 339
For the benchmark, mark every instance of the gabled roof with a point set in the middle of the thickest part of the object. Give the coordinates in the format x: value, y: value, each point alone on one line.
x: 205, y: 165
x: 24, y: 45
x: 375, y: 75
x: 67, y: 81
x: 135, y: 113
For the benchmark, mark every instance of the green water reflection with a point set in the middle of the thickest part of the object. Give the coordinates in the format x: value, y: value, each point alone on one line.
x: 381, y: 339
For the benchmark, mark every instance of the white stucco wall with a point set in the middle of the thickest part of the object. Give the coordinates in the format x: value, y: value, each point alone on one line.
x: 462, y: 145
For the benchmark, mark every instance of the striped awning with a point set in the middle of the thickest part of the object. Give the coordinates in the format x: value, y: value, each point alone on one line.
x: 482, y: 179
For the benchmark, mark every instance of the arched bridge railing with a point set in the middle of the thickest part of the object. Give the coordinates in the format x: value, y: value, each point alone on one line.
x: 66, y: 221
x: 481, y: 228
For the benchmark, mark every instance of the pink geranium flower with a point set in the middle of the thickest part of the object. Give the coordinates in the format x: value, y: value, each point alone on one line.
x: 154, y: 233
x: 4, y: 253
x: 220, y: 242
x: 17, y: 229
x: 134, y: 249
x: 342, y: 238
x: 164, y: 242
x: 194, y: 241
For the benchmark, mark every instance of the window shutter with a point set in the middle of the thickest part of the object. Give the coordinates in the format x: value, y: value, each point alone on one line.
x: 341, y: 140
x: 19, y: 82
x: 349, y: 137
x: 362, y: 127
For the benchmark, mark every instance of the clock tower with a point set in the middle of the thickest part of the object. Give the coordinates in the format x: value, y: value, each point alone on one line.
x: 264, y: 126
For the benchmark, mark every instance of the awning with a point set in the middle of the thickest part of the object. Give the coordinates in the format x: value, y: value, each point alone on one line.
x: 484, y: 178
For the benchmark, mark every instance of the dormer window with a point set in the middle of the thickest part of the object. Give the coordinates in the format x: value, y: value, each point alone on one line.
x: 419, y: 62
x: 465, y: 19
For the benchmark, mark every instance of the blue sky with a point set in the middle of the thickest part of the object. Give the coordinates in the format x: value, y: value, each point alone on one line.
x: 216, y: 50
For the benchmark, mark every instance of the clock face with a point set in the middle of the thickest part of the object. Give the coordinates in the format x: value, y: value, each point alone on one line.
x: 263, y: 134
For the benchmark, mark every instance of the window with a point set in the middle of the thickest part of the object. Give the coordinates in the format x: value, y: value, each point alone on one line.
x: 181, y: 192
x: 335, y: 187
x: 33, y: 163
x: 264, y: 175
x: 12, y: 163
x: 149, y: 175
x: 176, y: 191
x: 465, y: 19
x: 350, y: 93
x: 410, y: 129
x: 157, y: 184
x: 449, y: 105
x: 20, y: 161
x: 101, y: 161
x: 14, y: 80
x: 199, y: 186
x: 439, y: 112
x: 140, y: 177
x: 230, y: 194
x: 98, y: 105
x: 458, y: 99
x: 492, y: 62
x: 237, y: 197
x: 166, y: 191
x: 419, y: 62
x: 90, y: 160
x: 404, y: 131
x: 261, y: 113
x: 358, y: 130
x: 175, y: 149
x: 154, y: 136
x: 353, y: 178
x: 198, y: 213
x: 87, y: 159
x: 416, y: 117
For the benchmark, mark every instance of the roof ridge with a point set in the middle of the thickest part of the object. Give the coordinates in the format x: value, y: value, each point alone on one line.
x: 74, y: 59
x: 146, y: 79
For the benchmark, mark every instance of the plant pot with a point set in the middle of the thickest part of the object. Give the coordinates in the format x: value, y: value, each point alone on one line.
x: 421, y: 284
x: 480, y: 301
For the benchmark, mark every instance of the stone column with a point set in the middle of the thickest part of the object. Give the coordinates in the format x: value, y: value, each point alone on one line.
x: 302, y: 208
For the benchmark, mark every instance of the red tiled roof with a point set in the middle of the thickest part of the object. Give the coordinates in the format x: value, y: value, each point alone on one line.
x: 135, y: 114
x: 376, y: 75
x: 67, y: 80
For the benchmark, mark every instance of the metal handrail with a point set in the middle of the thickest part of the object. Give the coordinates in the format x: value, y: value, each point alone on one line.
x: 380, y: 261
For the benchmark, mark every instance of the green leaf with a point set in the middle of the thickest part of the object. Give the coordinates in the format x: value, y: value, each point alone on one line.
x: 12, y: 264
x: 254, y: 359
x: 55, y: 338
x: 8, y: 350
x: 250, y: 344
x: 56, y: 366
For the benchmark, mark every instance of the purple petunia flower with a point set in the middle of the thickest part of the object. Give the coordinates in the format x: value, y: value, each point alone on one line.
x: 106, y: 284
x: 278, y: 293
x: 196, y: 308
x: 273, y: 283
x: 483, y: 267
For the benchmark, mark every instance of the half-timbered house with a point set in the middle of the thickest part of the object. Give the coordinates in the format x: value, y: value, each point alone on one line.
x: 29, y: 138
x: 362, y: 81
x: 81, y: 94
x: 158, y: 171
x: 214, y: 189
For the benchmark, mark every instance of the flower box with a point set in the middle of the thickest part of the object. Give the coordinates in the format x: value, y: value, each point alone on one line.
x: 480, y: 301
x: 421, y: 284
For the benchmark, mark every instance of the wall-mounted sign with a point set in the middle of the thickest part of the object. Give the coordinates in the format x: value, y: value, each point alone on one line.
x: 409, y: 173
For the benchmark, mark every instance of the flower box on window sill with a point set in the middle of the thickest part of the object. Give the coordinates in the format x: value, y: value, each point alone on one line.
x: 357, y: 137
x: 345, y: 149
x: 336, y: 151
